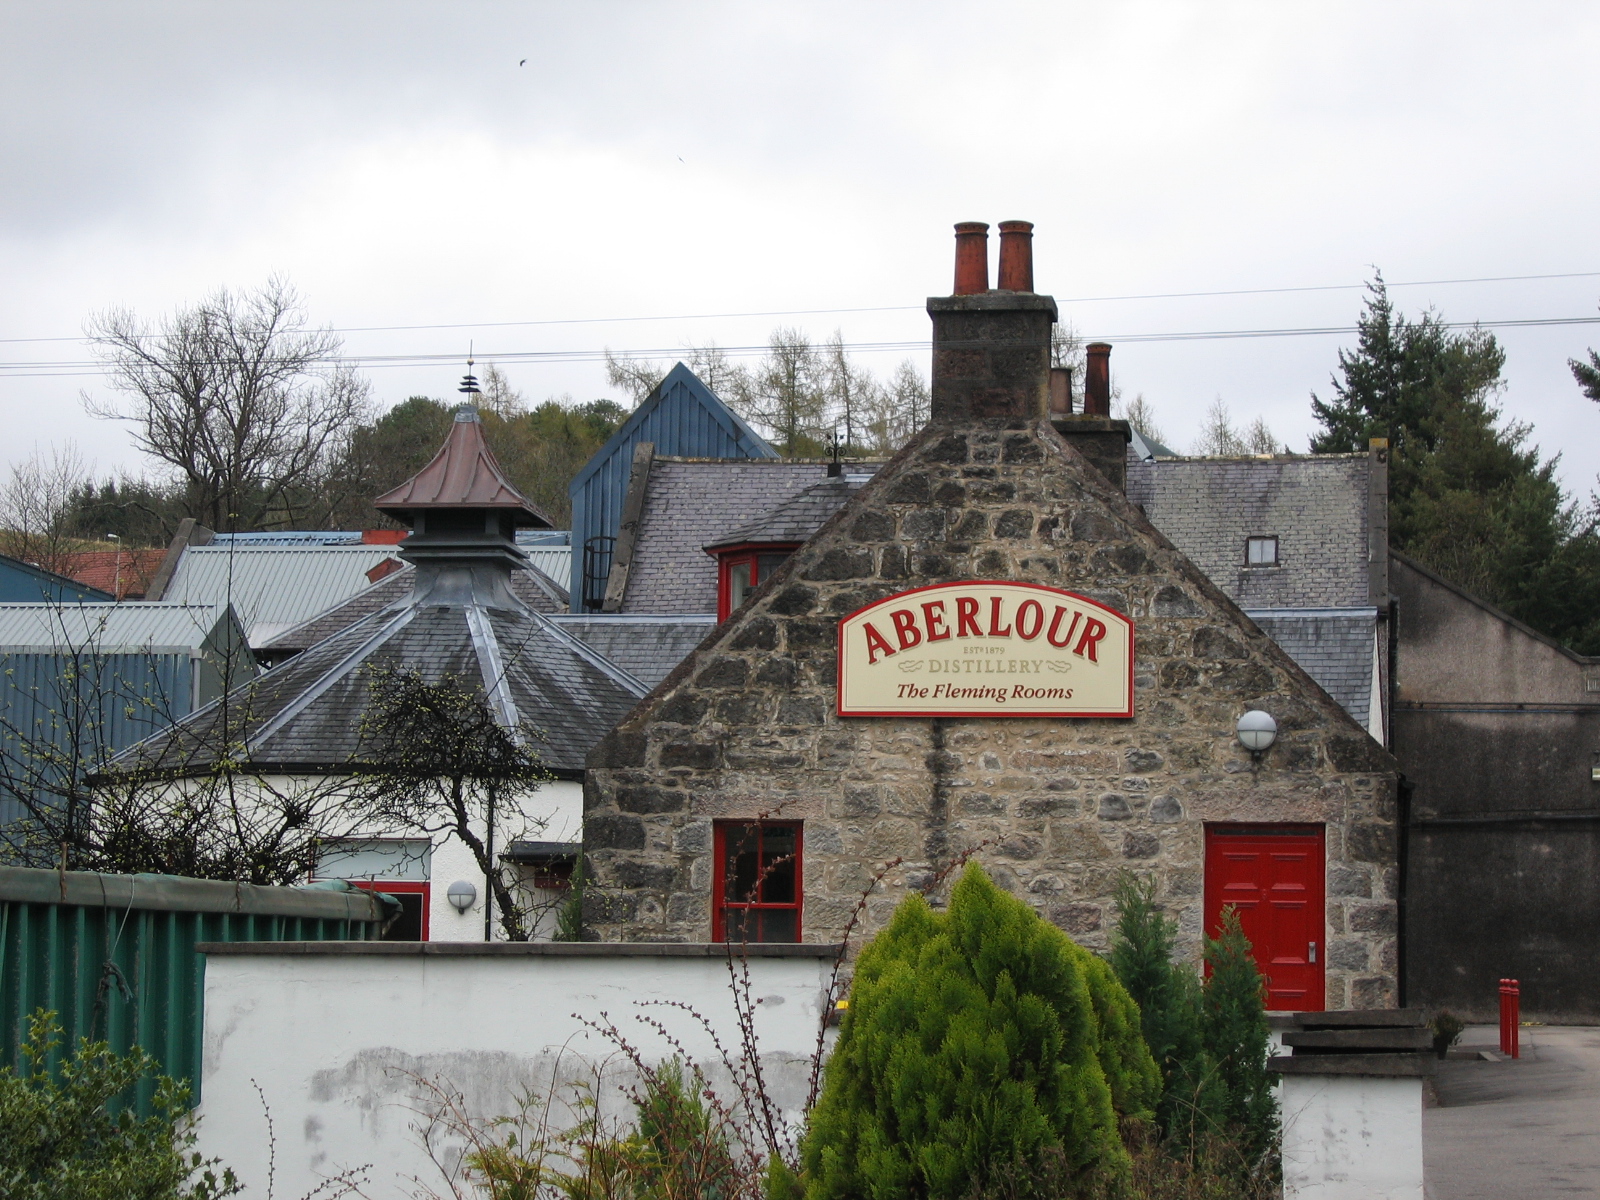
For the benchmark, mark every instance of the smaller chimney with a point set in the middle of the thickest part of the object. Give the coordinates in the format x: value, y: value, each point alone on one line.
x: 1016, y: 256
x: 1060, y: 391
x: 1097, y: 380
x: 972, y: 258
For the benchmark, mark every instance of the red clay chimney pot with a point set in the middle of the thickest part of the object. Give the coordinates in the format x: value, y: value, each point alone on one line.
x: 1016, y: 256
x: 1097, y: 380
x: 1061, y: 391
x: 972, y: 258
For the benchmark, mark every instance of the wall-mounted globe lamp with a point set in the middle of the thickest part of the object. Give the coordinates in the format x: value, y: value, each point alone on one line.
x: 1257, y: 731
x: 462, y: 895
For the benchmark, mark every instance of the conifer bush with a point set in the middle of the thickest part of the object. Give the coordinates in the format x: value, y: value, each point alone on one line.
x: 1210, y: 1040
x: 981, y: 1043
x: 1170, y: 1003
x: 1235, y: 1034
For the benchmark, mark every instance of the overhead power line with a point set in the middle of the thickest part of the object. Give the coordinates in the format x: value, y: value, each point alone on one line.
x: 79, y: 368
x: 811, y: 312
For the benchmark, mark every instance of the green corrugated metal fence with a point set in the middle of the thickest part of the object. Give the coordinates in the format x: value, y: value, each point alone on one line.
x: 114, y: 955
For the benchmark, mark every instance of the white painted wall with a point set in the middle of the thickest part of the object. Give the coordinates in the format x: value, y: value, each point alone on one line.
x: 337, y: 1041
x: 1352, y: 1137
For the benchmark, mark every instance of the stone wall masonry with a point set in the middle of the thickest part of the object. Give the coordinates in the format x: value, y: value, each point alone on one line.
x: 1055, y: 807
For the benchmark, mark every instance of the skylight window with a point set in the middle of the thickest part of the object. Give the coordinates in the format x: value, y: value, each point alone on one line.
x: 1261, y: 552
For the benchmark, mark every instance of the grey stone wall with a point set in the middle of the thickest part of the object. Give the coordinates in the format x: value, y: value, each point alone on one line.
x: 747, y: 727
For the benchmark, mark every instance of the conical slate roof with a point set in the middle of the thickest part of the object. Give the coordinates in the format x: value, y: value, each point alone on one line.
x: 464, y: 474
x: 307, y: 715
x: 460, y: 619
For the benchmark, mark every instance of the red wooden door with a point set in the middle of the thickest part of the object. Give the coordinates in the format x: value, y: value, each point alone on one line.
x: 1274, y: 876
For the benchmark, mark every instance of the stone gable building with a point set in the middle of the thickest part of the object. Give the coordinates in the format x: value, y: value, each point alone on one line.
x: 735, y: 800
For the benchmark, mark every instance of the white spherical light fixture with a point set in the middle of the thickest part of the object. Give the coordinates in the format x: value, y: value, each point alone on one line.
x: 462, y: 895
x: 1257, y: 730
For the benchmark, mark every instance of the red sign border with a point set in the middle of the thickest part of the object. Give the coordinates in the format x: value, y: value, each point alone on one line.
x: 838, y: 688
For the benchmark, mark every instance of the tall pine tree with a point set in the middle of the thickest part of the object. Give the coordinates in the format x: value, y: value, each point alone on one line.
x: 1468, y: 496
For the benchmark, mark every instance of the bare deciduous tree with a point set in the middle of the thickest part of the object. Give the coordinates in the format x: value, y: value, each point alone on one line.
x: 786, y: 393
x: 237, y: 395
x: 1219, y: 438
x: 636, y: 376
x: 37, y: 507
x: 852, y: 393
x: 1141, y: 414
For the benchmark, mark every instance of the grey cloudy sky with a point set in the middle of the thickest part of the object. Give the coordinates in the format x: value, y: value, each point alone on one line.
x: 667, y: 159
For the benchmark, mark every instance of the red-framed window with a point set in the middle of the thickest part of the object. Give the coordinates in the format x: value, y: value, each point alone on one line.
x: 412, y: 923
x: 757, y: 890
x: 742, y: 569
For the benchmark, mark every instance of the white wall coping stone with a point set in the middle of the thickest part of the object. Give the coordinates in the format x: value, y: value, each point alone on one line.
x: 528, y: 949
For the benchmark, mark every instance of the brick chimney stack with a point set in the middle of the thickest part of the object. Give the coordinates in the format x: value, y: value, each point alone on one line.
x: 991, y: 348
x: 1097, y: 380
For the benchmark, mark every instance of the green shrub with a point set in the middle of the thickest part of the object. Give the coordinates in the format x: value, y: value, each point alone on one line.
x: 678, y: 1147
x: 1235, y: 1034
x: 61, y: 1140
x: 1170, y: 1003
x: 1446, y: 1028
x: 973, y: 1049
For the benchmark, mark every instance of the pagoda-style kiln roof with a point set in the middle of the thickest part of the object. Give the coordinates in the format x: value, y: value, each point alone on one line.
x: 464, y: 474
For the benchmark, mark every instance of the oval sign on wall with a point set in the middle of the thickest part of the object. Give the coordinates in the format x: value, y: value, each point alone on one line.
x: 984, y: 649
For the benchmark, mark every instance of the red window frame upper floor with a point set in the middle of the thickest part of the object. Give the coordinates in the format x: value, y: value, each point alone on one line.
x: 758, y: 881
x: 762, y: 558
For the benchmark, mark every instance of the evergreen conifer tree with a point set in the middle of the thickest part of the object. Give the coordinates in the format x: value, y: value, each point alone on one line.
x: 974, y: 1049
x: 1235, y: 1033
x: 1467, y: 496
x: 1169, y: 998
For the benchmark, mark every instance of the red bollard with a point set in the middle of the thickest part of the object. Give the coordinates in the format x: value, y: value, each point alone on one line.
x: 1510, y: 1018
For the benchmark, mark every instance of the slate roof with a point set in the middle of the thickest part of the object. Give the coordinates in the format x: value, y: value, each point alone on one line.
x: 796, y: 519
x: 1316, y: 506
x: 535, y: 589
x: 1335, y: 647
x: 693, y: 503
x: 645, y: 646
x: 307, y: 713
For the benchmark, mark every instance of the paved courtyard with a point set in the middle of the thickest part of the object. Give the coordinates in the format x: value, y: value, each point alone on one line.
x: 1528, y: 1129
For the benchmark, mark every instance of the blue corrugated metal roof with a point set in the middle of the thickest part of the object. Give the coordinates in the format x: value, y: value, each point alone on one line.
x: 683, y: 417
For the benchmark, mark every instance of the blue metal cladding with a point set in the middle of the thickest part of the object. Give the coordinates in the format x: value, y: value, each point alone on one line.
x: 64, y: 715
x: 22, y: 582
x: 113, y: 956
x: 684, y: 419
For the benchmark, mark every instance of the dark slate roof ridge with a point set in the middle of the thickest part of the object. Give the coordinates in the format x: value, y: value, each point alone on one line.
x: 571, y: 618
x: 399, y: 583
x: 398, y: 621
x: 1499, y: 614
x: 582, y: 648
x: 795, y: 519
x: 1336, y: 610
x: 491, y: 667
